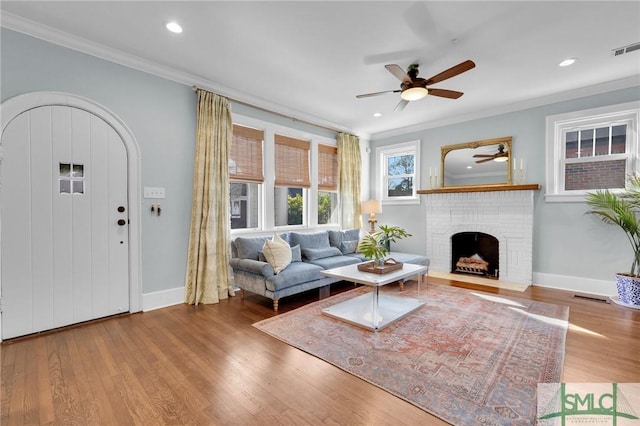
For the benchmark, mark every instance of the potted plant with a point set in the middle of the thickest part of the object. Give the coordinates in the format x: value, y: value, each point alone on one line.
x: 377, y: 245
x: 623, y: 209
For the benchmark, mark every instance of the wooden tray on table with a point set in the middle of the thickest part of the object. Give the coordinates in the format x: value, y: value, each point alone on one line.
x: 388, y: 266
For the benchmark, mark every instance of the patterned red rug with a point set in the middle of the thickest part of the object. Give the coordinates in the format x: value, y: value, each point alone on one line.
x: 465, y: 356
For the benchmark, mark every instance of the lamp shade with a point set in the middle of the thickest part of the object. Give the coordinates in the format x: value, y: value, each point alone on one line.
x: 371, y: 206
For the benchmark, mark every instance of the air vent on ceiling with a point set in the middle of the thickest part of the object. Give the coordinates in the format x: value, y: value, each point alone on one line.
x: 626, y: 49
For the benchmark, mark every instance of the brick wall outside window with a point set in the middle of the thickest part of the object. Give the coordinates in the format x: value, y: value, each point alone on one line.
x: 595, y: 175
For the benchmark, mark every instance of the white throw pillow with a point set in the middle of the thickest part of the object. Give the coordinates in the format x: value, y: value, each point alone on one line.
x: 277, y: 252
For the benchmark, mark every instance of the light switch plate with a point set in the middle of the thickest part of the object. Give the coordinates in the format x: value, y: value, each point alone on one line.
x: 153, y: 192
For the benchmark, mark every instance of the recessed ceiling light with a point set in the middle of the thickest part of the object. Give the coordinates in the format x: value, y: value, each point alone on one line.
x: 174, y: 27
x: 377, y: 114
x: 567, y: 62
x: 469, y: 167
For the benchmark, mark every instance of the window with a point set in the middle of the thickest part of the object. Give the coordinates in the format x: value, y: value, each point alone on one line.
x: 591, y: 150
x: 245, y: 176
x: 399, y: 172
x: 71, y: 178
x: 281, y: 177
x: 327, y: 184
x: 292, y: 180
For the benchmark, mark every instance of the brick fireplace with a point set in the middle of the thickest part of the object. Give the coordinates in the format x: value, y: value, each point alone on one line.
x: 505, y: 214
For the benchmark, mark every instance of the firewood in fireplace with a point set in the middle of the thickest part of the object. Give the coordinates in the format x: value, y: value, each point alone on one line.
x: 474, y: 265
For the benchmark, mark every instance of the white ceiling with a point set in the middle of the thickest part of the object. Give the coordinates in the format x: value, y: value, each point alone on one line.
x: 310, y: 59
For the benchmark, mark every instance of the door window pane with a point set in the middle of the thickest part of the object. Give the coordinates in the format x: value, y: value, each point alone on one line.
x: 78, y: 187
x: 78, y: 170
x: 65, y: 186
x: 65, y: 169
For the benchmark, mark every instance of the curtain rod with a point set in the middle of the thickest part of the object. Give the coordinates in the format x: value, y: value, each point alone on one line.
x: 331, y: 129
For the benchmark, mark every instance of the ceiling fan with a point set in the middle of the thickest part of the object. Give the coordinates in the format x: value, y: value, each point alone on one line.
x: 499, y: 156
x: 413, y: 87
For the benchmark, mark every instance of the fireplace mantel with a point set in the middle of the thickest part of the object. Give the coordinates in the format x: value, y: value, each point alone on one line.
x: 480, y: 188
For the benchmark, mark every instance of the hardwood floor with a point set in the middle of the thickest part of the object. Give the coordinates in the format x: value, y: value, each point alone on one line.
x: 207, y: 365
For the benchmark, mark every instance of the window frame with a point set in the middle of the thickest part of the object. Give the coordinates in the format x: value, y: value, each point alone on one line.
x: 382, y: 153
x: 557, y: 125
x: 266, y: 207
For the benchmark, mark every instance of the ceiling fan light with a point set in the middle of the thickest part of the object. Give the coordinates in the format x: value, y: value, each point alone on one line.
x: 501, y: 159
x: 414, y: 93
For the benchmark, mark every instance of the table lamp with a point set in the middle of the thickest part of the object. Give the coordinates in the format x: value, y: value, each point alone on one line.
x: 372, y: 207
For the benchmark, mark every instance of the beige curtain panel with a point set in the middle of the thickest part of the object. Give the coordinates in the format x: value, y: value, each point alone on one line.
x: 208, y: 277
x: 349, y: 171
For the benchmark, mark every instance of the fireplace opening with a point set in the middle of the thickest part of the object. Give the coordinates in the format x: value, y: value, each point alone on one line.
x: 475, y: 253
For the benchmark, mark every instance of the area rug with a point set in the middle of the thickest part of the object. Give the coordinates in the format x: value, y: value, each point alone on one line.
x: 465, y: 356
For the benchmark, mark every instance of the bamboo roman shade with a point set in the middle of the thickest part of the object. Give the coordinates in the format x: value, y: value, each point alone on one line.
x: 292, y: 162
x: 327, y: 168
x: 245, y: 156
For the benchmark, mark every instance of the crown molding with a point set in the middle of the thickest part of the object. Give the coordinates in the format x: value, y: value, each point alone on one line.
x: 61, y: 38
x: 70, y: 41
x: 610, y: 86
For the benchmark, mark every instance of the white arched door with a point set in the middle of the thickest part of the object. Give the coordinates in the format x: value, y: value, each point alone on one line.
x: 65, y: 220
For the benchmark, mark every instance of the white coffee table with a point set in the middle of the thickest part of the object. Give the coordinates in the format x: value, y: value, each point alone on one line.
x: 375, y: 311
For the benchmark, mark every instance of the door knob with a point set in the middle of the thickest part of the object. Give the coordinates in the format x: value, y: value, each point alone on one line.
x: 122, y: 222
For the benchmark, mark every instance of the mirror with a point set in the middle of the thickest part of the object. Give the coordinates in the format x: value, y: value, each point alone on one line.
x: 484, y: 162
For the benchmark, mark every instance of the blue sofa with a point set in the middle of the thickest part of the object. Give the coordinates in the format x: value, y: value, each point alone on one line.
x: 311, y: 253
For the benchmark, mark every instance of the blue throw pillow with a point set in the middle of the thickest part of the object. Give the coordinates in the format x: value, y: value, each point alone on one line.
x: 321, y: 253
x: 347, y: 247
x: 296, y: 255
x: 312, y: 240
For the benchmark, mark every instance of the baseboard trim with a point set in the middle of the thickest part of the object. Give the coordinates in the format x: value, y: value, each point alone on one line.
x: 175, y: 296
x: 162, y: 299
x: 575, y: 284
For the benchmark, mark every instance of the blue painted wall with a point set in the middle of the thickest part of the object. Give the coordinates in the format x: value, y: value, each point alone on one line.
x: 160, y: 113
x: 566, y: 241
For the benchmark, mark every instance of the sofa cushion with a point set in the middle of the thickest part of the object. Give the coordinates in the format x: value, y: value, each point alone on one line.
x: 336, y: 238
x: 320, y: 253
x: 312, y: 240
x: 277, y: 252
x: 334, y: 261
x: 294, y: 274
x: 249, y: 247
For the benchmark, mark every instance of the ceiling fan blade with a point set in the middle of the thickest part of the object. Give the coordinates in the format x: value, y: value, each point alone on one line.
x: 368, y: 95
x: 484, y: 160
x: 452, y: 72
x: 400, y: 105
x: 397, y: 72
x: 483, y: 155
x: 444, y: 93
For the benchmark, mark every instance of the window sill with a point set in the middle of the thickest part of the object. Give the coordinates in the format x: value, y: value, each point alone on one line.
x: 571, y: 198
x: 405, y: 202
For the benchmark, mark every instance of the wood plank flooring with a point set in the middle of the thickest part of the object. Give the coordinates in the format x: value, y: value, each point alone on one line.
x: 207, y: 365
